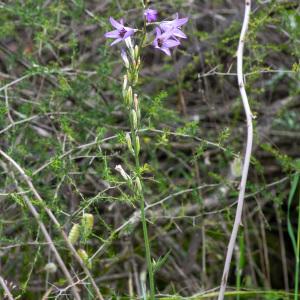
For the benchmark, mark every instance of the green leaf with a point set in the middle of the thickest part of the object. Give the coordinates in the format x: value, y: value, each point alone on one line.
x: 289, y: 224
x: 160, y: 262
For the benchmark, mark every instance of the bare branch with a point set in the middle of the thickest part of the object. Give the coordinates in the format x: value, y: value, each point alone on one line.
x: 6, y: 289
x: 54, y: 220
x: 249, y: 116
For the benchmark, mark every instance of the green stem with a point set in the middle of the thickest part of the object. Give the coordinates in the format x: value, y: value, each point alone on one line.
x: 297, y: 255
x: 144, y: 221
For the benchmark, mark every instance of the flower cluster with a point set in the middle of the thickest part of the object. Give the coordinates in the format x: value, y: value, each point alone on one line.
x: 167, y: 36
x: 167, y: 33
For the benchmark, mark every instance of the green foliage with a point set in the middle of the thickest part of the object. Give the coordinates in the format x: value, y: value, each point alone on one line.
x: 64, y: 122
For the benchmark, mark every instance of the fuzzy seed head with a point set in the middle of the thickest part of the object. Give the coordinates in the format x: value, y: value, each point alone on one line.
x: 74, y: 234
x: 50, y: 267
x: 84, y: 256
x: 87, y: 223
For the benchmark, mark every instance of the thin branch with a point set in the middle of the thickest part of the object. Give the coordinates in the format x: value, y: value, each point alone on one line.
x: 48, y: 239
x: 55, y: 221
x: 14, y: 82
x: 6, y: 289
x: 249, y: 116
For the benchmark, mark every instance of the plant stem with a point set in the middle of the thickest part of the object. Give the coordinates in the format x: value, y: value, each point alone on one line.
x: 248, y: 113
x: 297, y: 255
x: 140, y: 195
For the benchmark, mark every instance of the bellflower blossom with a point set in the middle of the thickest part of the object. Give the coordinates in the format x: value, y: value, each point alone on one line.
x: 150, y: 15
x: 174, y: 26
x: 121, y: 33
x: 164, y: 42
x: 168, y: 35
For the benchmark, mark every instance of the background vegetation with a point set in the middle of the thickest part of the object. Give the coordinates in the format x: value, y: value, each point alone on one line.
x: 63, y: 121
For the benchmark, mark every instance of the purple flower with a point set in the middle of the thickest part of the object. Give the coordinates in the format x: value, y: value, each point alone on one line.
x: 174, y: 26
x: 121, y: 33
x: 164, y: 41
x: 150, y: 15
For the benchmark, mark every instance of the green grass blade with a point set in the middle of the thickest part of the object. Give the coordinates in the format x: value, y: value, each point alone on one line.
x: 289, y: 224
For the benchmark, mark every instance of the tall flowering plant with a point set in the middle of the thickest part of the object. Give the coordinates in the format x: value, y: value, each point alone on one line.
x: 165, y: 36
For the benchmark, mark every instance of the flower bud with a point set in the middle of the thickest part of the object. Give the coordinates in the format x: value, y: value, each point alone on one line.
x: 129, y: 96
x: 133, y: 118
x: 119, y: 169
x: 138, y: 184
x: 137, y: 144
x: 125, y: 58
x: 138, y: 63
x: 136, y: 53
x: 128, y: 43
x: 129, y: 144
x: 136, y: 102
x: 138, y: 114
x: 74, y: 234
x: 125, y: 82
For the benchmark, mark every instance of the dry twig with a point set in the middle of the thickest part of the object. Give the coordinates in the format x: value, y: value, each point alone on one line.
x: 249, y: 116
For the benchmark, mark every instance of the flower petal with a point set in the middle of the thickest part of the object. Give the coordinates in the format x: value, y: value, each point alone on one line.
x: 128, y: 33
x: 115, y: 24
x: 171, y: 43
x: 128, y: 42
x: 158, y: 31
x: 179, y: 33
x: 180, y: 22
x: 165, y: 26
x: 150, y: 15
x: 166, y: 50
x: 116, y: 41
x: 166, y: 35
x: 112, y: 34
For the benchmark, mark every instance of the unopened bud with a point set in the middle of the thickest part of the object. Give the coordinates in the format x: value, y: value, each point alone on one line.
x: 135, y: 78
x: 136, y: 102
x: 125, y: 58
x: 129, y: 96
x: 137, y: 144
x: 136, y: 52
x: 138, y: 184
x: 125, y: 82
x: 138, y: 63
x: 129, y: 144
x: 128, y: 43
x: 138, y: 114
x: 122, y: 172
x: 134, y: 119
